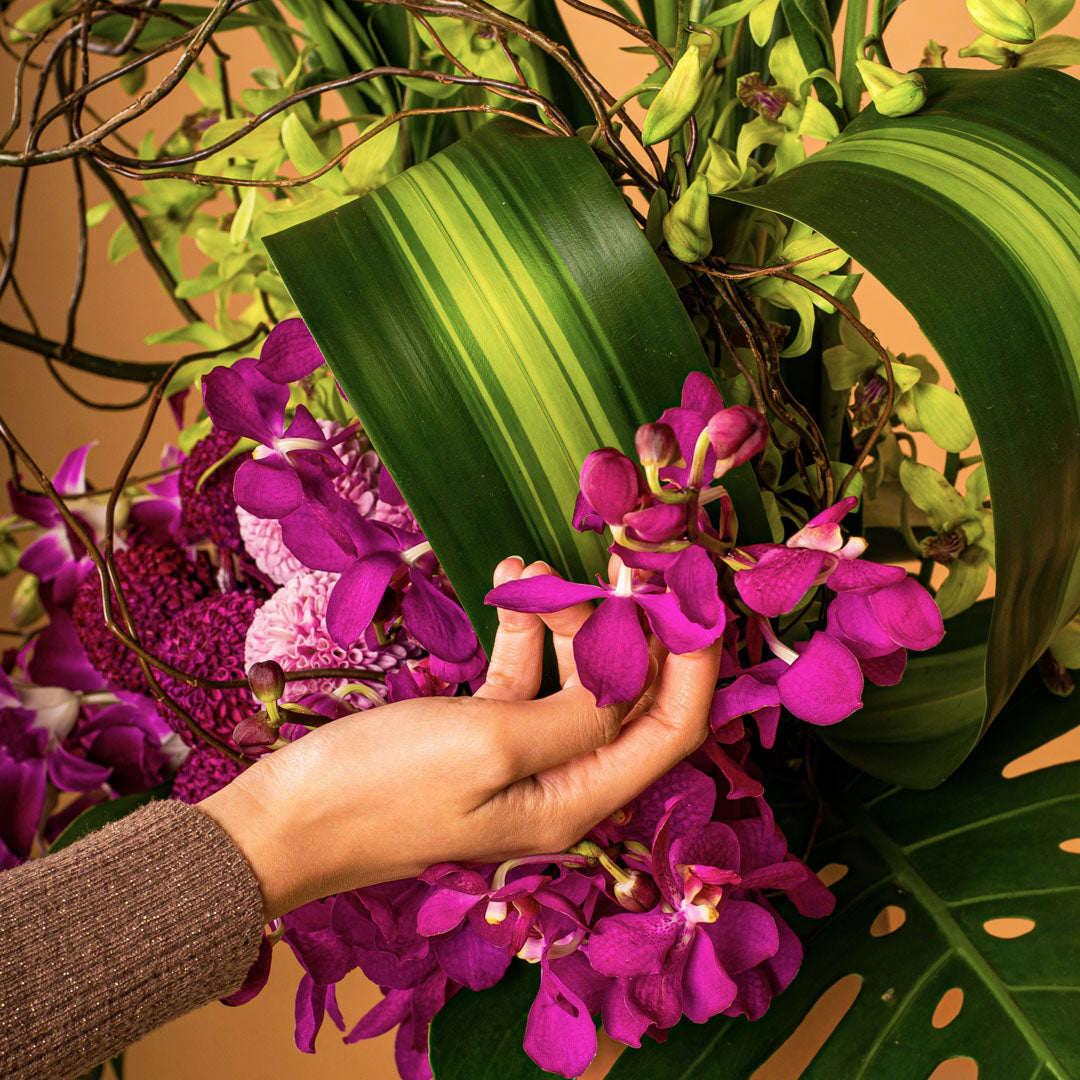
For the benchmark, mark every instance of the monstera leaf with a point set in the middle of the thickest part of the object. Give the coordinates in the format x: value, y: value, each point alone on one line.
x: 969, y: 213
x: 494, y: 314
x: 951, y: 863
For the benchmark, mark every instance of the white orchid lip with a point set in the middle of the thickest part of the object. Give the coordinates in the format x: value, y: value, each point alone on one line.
x: 286, y: 446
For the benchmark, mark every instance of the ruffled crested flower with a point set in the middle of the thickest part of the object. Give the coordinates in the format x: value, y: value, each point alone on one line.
x: 290, y: 628
x: 207, y: 640
x: 203, y: 772
x: 159, y: 584
x: 208, y: 509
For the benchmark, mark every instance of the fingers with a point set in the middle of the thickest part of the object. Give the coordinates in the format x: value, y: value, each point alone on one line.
x: 587, y: 789
x: 563, y: 626
x: 515, y: 668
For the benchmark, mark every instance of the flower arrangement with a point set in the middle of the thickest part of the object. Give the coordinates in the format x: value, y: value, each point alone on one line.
x: 520, y: 328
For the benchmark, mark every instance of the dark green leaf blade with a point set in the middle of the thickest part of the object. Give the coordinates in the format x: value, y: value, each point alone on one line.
x: 494, y: 314
x: 978, y: 848
x: 977, y: 198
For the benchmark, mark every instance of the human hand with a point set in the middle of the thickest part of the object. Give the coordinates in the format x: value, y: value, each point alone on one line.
x: 385, y: 793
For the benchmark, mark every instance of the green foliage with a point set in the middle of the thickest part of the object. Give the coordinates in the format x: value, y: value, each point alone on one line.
x: 981, y: 187
x: 978, y: 849
x: 485, y: 372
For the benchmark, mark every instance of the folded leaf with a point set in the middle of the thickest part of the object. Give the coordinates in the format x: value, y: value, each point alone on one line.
x: 969, y: 213
x: 494, y: 315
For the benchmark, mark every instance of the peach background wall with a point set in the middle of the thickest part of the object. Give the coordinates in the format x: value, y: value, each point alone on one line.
x: 123, y: 304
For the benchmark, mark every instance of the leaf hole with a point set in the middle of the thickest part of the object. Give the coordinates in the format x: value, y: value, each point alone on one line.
x: 957, y: 1068
x: 948, y: 1008
x: 794, y: 1056
x: 831, y: 873
x: 1009, y: 928
x: 1055, y: 752
x: 1071, y: 846
x: 889, y: 919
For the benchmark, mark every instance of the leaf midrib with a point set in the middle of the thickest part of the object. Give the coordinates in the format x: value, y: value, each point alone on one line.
x: 906, y: 874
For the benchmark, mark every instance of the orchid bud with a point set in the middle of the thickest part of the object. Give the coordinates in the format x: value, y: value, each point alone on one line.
x: 611, y: 484
x: 892, y: 92
x: 656, y: 445
x: 1008, y: 20
x: 26, y: 606
x: 659, y: 523
x: 736, y: 434
x: 677, y: 99
x: 254, y: 735
x: 686, y: 224
x: 267, y: 680
x: 934, y: 55
x: 639, y: 893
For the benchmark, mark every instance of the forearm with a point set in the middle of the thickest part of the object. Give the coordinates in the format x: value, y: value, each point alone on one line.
x: 106, y: 940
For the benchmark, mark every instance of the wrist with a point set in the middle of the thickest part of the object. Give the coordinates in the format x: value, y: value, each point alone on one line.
x: 252, y: 824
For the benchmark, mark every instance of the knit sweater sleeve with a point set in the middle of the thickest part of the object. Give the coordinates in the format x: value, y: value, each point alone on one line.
x: 105, y: 940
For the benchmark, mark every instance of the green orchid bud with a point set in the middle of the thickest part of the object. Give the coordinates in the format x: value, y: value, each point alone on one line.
x: 686, y: 225
x: 677, y: 99
x: 892, y: 92
x: 9, y: 554
x: 26, y: 606
x: 985, y: 47
x: 934, y: 55
x: 1008, y: 20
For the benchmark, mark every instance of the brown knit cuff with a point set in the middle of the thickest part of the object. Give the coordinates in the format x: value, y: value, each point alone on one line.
x: 105, y: 940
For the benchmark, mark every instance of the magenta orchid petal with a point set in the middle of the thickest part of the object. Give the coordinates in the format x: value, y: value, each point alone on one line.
x: 677, y: 632
x: 70, y: 478
x: 241, y: 401
x: 543, y: 593
x: 289, y: 352
x: 624, y: 946
x: 736, y: 434
x: 746, y: 694
x: 437, y: 621
x: 585, y: 517
x: 560, y: 1035
x: 71, y: 773
x: 860, y: 574
x: 267, y: 488
x: 885, y: 670
x: 47, y: 555
x: 825, y: 684
x: 309, y: 542
x: 356, y: 596
x: 612, y: 630
x: 658, y: 523
x: 713, y: 843
x: 444, y: 911
x: 692, y: 578
x: 707, y: 987
x: 611, y: 484
x: 470, y: 960
x: 908, y: 614
x: 383, y: 1017
x: 836, y: 513
x: 744, y: 935
x: 851, y: 619
x: 779, y: 580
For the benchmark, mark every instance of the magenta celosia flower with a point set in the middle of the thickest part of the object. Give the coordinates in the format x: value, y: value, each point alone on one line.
x: 208, y: 509
x: 201, y: 773
x: 207, y: 639
x: 614, y: 630
x: 159, y: 583
x: 290, y: 628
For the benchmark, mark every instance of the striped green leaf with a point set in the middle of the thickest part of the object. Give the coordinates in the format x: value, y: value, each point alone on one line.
x: 493, y: 315
x: 969, y: 213
x: 978, y: 849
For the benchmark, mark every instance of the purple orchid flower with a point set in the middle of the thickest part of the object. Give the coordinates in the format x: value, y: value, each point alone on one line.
x: 613, y: 629
x: 57, y: 556
x: 290, y: 466
x: 679, y: 959
x: 819, y: 681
